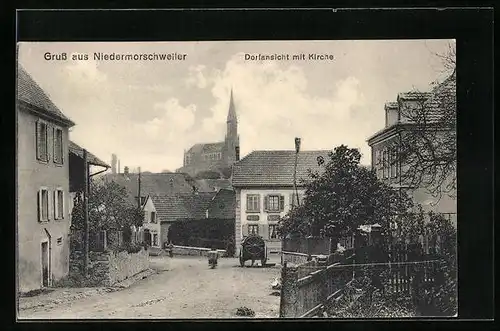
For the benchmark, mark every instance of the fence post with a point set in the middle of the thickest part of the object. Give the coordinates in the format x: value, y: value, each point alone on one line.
x: 322, y: 263
x: 289, y: 289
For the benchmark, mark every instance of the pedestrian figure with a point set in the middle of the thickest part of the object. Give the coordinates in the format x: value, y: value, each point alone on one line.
x: 170, y: 249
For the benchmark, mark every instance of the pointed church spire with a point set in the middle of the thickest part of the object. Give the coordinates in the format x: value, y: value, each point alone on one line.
x: 231, y: 114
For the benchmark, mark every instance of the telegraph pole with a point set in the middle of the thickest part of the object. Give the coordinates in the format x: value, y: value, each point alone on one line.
x: 297, y: 149
x: 139, y: 189
x: 86, y: 210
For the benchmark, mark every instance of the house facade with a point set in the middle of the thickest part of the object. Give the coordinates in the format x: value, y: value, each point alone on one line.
x: 264, y: 191
x: 43, y: 213
x: 151, y: 228
x: 384, y: 149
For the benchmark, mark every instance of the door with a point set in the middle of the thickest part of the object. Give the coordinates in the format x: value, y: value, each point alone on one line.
x: 45, y: 264
x: 147, y: 237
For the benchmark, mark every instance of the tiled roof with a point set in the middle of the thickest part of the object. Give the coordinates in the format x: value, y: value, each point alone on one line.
x: 153, y: 183
x: 207, y: 148
x: 30, y: 92
x: 171, y: 207
x: 210, y: 185
x: 91, y: 158
x: 275, y: 168
x: 445, y: 90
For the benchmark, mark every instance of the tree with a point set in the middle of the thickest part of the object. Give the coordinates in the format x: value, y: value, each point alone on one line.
x: 427, y: 148
x: 342, y: 197
x: 108, y: 208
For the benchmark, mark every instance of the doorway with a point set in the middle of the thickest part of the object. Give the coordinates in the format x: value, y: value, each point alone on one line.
x: 45, y: 264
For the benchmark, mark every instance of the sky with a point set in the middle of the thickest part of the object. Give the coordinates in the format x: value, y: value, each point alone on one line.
x: 149, y: 112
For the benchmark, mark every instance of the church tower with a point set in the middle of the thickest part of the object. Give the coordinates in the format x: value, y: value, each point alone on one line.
x: 232, y: 141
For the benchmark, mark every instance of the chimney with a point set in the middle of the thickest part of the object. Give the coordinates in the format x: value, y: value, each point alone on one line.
x: 119, y: 169
x: 237, y: 153
x: 113, y: 163
x: 125, y: 170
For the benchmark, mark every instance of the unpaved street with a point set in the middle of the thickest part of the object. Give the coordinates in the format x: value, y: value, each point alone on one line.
x: 185, y: 287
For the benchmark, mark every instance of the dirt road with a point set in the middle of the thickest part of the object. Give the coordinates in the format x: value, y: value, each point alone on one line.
x: 183, y: 288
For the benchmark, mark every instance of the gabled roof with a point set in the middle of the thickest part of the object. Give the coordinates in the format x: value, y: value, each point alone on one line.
x: 275, y: 168
x: 154, y: 183
x: 172, y: 207
x: 31, y: 94
x: 91, y: 158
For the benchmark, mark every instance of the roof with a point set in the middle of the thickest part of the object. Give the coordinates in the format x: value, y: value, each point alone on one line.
x: 432, y: 106
x: 29, y: 92
x: 211, y: 185
x: 171, y: 207
x: 275, y: 168
x: 154, y: 183
x: 91, y: 158
x: 207, y: 148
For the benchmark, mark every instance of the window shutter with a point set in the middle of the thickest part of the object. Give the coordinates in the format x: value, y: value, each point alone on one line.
x: 63, y: 201
x: 56, y: 204
x: 244, y: 230
x: 282, y: 202
x: 47, y: 155
x: 37, y: 140
x: 266, y: 203
x: 39, y: 204
x: 54, y: 143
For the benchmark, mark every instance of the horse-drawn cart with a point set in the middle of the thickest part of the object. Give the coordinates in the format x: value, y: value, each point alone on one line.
x: 253, y: 247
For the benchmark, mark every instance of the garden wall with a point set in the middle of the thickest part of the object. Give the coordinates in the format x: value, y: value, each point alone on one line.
x: 194, y: 251
x: 109, y: 268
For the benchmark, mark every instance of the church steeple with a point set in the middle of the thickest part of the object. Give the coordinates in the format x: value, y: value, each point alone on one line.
x: 232, y: 141
x: 231, y: 114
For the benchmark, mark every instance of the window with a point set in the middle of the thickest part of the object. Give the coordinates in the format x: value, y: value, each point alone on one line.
x: 43, y: 205
x: 153, y: 217
x: 253, y: 203
x: 253, y: 229
x: 274, y: 203
x: 394, y: 162
x: 58, y: 204
x: 273, y: 231
x: 155, y: 239
x: 385, y: 161
x: 41, y: 141
x: 59, y: 241
x: 58, y: 146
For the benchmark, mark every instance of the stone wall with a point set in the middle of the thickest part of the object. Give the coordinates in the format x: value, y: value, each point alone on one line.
x: 194, y: 251
x: 108, y: 268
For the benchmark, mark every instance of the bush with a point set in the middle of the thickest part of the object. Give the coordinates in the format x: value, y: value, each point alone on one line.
x: 131, y: 248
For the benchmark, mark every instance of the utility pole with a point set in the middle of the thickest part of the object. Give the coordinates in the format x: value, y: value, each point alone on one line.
x: 297, y: 149
x: 86, y: 210
x: 139, y: 189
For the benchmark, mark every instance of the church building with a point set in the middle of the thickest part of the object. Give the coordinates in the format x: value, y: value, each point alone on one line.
x: 218, y: 156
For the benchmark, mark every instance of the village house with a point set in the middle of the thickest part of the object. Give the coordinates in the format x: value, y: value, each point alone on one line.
x: 384, y: 147
x: 263, y: 184
x: 193, y: 206
x: 77, y: 171
x: 43, y: 213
